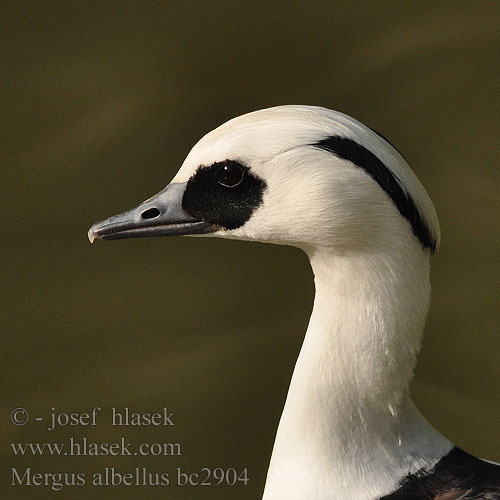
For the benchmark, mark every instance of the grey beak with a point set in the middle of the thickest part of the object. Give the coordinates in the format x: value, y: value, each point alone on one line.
x: 161, y: 215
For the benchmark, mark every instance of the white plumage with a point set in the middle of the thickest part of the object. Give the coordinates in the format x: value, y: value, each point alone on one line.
x: 349, y: 429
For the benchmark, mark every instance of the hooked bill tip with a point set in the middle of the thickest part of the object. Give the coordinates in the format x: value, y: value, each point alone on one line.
x: 92, y: 234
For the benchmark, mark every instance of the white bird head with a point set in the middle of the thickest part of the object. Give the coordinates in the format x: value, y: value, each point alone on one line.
x: 298, y: 175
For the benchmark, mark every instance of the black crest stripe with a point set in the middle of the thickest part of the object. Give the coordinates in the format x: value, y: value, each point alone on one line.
x: 350, y: 150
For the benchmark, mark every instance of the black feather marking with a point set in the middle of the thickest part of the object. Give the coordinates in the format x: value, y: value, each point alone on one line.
x: 350, y: 150
x: 457, y: 475
x: 223, y: 206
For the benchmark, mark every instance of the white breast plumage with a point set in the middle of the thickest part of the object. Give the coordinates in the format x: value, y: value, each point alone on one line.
x: 321, y: 181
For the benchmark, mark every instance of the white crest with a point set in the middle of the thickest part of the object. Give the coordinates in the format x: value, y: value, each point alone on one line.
x: 309, y: 188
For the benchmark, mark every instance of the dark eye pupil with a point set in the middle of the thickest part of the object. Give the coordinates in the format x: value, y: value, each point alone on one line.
x: 230, y: 175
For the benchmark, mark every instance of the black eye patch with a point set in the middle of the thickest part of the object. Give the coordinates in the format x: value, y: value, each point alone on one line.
x: 224, y: 194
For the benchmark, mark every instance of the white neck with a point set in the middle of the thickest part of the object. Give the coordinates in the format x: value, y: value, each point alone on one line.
x: 349, y: 428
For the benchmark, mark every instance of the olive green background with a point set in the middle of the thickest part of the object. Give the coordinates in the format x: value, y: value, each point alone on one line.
x: 101, y: 101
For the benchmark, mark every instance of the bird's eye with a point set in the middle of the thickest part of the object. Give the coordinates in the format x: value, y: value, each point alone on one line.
x: 230, y: 174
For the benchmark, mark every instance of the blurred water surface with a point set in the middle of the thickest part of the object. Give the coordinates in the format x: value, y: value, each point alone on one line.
x: 101, y: 103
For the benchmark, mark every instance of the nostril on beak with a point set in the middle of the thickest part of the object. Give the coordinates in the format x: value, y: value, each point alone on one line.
x: 150, y: 213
